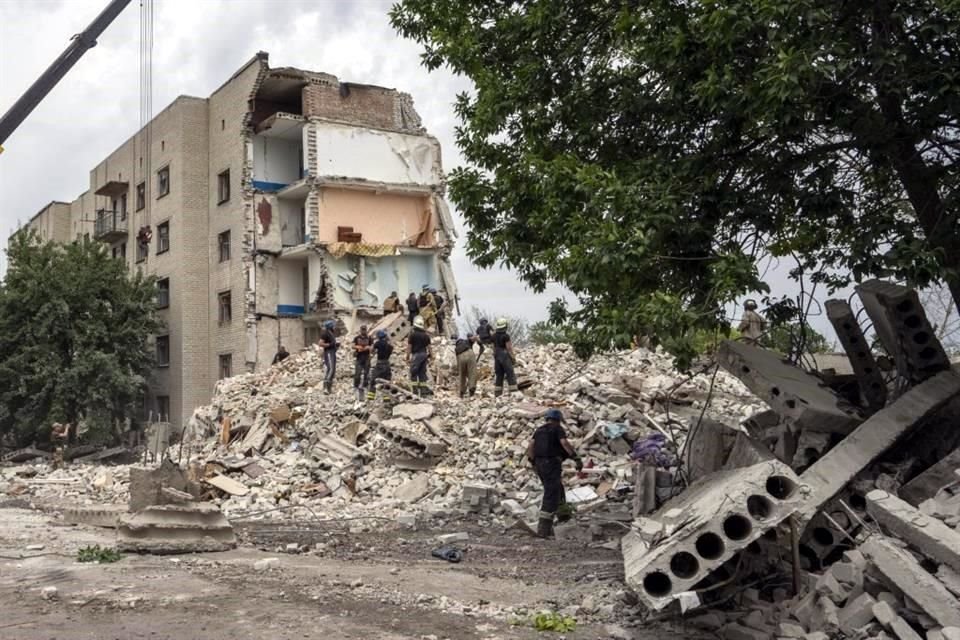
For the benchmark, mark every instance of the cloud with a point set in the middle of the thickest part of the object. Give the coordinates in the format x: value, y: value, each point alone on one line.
x: 198, y: 44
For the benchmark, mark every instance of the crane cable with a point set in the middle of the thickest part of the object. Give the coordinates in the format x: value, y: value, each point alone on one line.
x: 146, y: 112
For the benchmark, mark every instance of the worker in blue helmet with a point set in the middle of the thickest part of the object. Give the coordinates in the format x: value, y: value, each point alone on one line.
x: 381, y: 369
x: 547, y: 450
x: 328, y: 342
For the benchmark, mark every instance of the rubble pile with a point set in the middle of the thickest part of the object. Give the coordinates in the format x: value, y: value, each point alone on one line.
x: 286, y: 443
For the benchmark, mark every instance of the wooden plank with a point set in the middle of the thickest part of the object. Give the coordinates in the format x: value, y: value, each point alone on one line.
x: 229, y: 485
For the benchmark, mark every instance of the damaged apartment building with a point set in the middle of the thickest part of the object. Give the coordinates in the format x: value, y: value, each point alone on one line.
x: 286, y: 198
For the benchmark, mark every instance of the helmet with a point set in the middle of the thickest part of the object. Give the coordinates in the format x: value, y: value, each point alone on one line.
x: 501, y: 323
x: 469, y: 336
x: 363, y: 328
x: 554, y: 414
x: 418, y: 322
x: 425, y: 287
x: 433, y: 290
x: 750, y: 304
x: 329, y: 324
x: 381, y: 334
x: 483, y: 321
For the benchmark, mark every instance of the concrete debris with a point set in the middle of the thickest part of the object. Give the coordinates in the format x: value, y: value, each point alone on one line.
x: 926, y: 533
x: 173, y: 528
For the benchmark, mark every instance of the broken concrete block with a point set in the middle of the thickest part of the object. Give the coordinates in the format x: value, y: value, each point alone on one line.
x: 193, y: 527
x: 705, y: 449
x: 855, y: 345
x: 790, y: 630
x: 829, y: 587
x: 414, y: 489
x: 886, y: 616
x: 454, y: 538
x: 106, y: 516
x: 413, y: 410
x: 928, y: 483
x: 826, y: 616
x: 746, y: 452
x: 902, y: 326
x: 857, y: 613
x: 737, y: 631
x: 951, y: 633
x: 904, y: 573
x: 691, y: 535
x: 950, y: 579
x: 146, y: 484
x: 49, y: 593
x: 479, y: 498
x: 847, y: 573
x: 796, y: 395
x: 816, y: 635
x: 931, y: 536
x: 828, y: 475
x: 266, y: 564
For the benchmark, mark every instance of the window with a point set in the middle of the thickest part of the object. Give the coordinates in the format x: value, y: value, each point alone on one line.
x: 226, y: 365
x: 123, y: 206
x: 163, y: 293
x: 163, y: 237
x: 163, y: 182
x: 163, y: 408
x: 223, y: 186
x: 141, y: 195
x: 142, y: 249
x: 163, y: 351
x: 225, y: 313
x: 223, y: 242
x: 120, y: 251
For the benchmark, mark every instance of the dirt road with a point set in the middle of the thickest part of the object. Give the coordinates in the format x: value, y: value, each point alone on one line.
x: 372, y: 582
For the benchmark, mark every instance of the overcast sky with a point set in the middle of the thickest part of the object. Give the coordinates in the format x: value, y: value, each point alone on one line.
x: 198, y: 45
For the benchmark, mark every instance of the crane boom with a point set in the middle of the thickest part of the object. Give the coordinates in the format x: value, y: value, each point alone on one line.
x: 80, y: 43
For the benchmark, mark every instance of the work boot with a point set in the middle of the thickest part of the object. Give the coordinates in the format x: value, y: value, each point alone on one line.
x: 473, y: 391
x: 514, y: 388
x: 328, y: 386
x: 497, y: 392
x: 545, y: 526
x: 425, y: 391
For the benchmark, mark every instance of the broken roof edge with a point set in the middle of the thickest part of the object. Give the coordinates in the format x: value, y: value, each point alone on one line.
x: 260, y: 57
x: 405, y: 132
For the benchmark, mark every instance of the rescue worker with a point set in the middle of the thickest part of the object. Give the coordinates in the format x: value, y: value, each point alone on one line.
x: 418, y: 355
x: 484, y: 336
x: 466, y: 365
x: 413, y: 307
x: 547, y: 450
x: 328, y: 342
x: 392, y: 303
x: 441, y: 305
x: 381, y: 370
x: 752, y: 326
x: 428, y: 306
x: 503, y: 359
x: 282, y: 354
x: 362, y: 345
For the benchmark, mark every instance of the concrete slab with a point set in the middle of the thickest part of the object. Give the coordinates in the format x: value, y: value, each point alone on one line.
x: 902, y: 571
x: 799, y: 397
x: 927, y: 483
x: 696, y: 532
x: 929, y: 535
x: 183, y: 528
x: 902, y: 326
x: 855, y: 345
x: 107, y: 516
x: 828, y: 475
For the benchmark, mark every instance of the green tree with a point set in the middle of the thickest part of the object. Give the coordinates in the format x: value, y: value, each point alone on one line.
x: 73, y: 337
x: 517, y: 326
x: 645, y: 154
x: 543, y: 332
x: 791, y: 339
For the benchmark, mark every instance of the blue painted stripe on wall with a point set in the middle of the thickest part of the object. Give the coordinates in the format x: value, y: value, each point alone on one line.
x: 290, y: 310
x: 261, y: 185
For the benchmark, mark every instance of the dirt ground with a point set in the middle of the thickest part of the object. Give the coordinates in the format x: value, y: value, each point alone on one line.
x: 346, y: 580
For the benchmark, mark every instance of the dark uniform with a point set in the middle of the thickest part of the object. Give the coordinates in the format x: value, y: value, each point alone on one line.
x: 502, y: 363
x: 548, y: 457
x: 484, y: 337
x: 361, y: 368
x: 441, y: 315
x: 282, y: 355
x: 381, y: 370
x: 329, y: 358
x: 418, y: 343
x: 413, y: 307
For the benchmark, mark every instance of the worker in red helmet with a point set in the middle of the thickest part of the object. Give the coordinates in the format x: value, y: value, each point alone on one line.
x: 547, y: 450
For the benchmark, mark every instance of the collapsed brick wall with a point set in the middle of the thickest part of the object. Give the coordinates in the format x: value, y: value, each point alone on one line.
x: 360, y: 105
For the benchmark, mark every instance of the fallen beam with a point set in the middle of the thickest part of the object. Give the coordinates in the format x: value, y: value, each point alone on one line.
x: 904, y: 573
x: 831, y: 473
x: 927, y: 483
x: 929, y: 535
x: 857, y: 348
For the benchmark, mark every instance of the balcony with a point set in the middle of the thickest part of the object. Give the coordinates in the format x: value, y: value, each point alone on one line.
x: 110, y: 226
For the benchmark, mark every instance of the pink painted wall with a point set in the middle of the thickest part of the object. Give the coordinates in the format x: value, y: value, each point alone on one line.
x: 382, y: 218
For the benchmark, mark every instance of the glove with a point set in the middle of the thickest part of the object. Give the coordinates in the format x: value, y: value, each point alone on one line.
x: 578, y: 462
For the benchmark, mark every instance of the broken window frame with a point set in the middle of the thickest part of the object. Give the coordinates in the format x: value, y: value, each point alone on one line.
x: 163, y: 293
x: 223, y: 245
x: 225, y: 307
x: 163, y: 351
x: 163, y: 405
x: 142, y: 196
x: 223, y: 186
x: 163, y: 237
x: 226, y: 365
x: 142, y: 251
x: 163, y: 181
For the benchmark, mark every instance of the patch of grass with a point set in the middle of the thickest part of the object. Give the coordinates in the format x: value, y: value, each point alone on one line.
x: 551, y: 621
x: 99, y: 554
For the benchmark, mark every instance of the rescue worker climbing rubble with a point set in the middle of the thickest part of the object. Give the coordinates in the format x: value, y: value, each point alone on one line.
x: 418, y: 355
x: 484, y: 336
x: 381, y: 370
x: 503, y: 359
x: 547, y: 450
x: 328, y: 342
x: 428, y: 307
x: 752, y: 326
x: 362, y: 345
x: 466, y: 365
